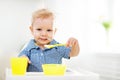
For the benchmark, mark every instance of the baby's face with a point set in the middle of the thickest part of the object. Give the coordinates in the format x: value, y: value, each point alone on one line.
x: 43, y: 30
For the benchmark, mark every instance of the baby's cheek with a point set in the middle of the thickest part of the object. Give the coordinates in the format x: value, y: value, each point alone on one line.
x: 50, y: 37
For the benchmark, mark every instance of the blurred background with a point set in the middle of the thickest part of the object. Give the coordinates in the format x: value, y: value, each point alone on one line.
x: 95, y: 23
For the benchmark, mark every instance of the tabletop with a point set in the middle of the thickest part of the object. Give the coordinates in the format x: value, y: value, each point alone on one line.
x: 69, y: 75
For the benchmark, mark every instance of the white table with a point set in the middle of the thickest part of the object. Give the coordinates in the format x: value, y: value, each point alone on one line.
x: 71, y: 75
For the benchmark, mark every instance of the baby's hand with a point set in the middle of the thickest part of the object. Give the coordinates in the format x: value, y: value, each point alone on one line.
x: 27, y: 59
x: 75, y: 48
x: 71, y: 42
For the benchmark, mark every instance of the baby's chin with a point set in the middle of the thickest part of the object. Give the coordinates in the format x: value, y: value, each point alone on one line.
x: 45, y: 43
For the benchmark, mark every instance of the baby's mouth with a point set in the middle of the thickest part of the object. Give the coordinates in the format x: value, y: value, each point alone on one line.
x: 43, y: 39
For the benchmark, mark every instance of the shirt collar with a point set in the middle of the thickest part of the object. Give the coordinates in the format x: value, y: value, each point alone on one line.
x: 53, y: 42
x: 32, y: 45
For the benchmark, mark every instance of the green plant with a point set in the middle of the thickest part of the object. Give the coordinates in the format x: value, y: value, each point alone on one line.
x: 106, y: 25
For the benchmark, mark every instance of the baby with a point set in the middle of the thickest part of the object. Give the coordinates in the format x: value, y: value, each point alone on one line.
x: 43, y: 32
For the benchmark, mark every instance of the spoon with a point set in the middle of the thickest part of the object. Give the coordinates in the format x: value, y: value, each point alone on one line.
x: 54, y: 45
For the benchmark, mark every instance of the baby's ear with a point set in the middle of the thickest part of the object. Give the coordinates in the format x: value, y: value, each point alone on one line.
x: 31, y: 29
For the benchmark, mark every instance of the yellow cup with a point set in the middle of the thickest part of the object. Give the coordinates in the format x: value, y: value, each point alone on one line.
x: 18, y: 65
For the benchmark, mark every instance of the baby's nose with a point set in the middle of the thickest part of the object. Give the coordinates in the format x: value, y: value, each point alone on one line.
x: 44, y: 33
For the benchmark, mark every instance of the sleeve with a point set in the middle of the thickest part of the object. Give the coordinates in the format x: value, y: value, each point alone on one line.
x: 64, y: 52
x: 24, y: 52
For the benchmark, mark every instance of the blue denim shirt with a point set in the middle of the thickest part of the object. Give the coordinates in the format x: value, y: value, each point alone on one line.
x: 38, y: 56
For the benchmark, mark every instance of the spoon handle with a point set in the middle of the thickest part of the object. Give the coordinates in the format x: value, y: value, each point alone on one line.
x: 55, y: 45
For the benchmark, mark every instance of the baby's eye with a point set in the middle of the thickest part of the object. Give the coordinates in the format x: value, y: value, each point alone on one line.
x: 39, y: 29
x: 49, y: 30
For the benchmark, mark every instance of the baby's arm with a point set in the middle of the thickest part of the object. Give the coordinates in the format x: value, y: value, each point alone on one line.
x: 75, y: 48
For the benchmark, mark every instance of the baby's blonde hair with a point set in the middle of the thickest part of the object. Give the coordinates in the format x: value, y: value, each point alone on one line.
x: 42, y: 13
